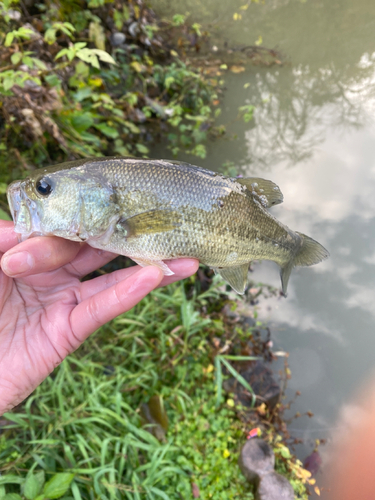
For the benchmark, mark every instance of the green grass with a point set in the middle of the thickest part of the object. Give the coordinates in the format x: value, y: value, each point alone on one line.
x: 85, y: 417
x: 83, y: 426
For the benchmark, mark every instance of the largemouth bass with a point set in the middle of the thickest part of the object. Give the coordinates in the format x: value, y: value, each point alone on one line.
x: 155, y: 210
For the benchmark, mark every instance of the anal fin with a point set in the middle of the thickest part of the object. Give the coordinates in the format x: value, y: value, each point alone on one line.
x: 235, y: 276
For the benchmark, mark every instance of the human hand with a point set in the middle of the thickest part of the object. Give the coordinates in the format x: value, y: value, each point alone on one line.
x: 46, y: 312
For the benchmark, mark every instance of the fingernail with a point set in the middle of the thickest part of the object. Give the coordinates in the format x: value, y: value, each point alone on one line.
x: 17, y: 263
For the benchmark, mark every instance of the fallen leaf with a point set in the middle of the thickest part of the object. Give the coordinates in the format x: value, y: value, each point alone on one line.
x: 237, y: 69
x: 262, y: 409
x: 195, y: 490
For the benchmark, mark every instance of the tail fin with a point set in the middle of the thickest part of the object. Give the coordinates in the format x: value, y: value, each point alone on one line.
x: 310, y: 253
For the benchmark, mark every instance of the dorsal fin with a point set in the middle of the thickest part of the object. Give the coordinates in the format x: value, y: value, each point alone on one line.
x: 266, y: 191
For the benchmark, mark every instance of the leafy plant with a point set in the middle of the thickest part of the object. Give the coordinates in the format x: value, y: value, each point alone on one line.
x: 34, y: 487
x: 223, y: 360
x: 88, y: 95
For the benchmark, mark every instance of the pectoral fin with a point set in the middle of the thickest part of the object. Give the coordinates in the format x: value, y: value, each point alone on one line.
x: 235, y: 276
x: 158, y: 263
x: 153, y: 221
x: 266, y: 191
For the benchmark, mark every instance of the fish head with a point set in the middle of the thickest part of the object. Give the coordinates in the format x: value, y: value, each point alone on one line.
x: 67, y: 203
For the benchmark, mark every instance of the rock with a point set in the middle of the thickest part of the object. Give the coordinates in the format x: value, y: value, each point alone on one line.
x: 257, y: 462
x: 256, y: 459
x: 273, y: 486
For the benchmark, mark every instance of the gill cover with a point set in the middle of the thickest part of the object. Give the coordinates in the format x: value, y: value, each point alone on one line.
x: 66, y: 203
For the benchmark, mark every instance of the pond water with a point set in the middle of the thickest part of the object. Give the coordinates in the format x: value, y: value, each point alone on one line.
x: 313, y: 133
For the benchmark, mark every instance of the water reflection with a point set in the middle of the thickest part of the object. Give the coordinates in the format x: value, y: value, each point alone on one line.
x: 313, y: 133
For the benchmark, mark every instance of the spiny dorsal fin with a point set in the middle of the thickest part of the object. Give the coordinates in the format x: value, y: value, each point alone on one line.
x: 266, y: 191
x: 235, y: 276
x: 153, y: 221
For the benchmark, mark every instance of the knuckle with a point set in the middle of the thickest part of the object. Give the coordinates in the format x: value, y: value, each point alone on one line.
x: 94, y: 311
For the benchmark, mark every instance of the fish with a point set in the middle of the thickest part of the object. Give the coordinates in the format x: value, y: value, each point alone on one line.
x: 156, y: 210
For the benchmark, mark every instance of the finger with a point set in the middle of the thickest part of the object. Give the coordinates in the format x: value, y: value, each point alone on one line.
x: 38, y: 255
x: 96, y: 285
x: 100, y: 308
x: 8, y: 238
x: 181, y: 267
x: 88, y: 260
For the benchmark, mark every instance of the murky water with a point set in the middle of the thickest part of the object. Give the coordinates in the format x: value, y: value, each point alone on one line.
x: 313, y: 133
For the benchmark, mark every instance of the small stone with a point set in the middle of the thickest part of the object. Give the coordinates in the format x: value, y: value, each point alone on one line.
x: 256, y: 459
x: 273, y: 486
x: 117, y: 39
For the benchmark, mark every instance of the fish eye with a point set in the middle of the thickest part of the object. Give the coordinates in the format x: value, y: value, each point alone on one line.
x: 44, y: 186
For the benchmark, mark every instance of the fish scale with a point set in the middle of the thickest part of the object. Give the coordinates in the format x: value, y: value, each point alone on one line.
x: 155, y: 210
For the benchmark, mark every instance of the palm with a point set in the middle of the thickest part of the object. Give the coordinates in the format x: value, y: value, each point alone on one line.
x: 46, y: 316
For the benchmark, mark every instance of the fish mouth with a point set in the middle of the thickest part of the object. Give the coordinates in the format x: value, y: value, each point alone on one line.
x: 23, y: 211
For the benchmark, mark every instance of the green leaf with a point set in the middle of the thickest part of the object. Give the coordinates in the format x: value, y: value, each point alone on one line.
x: 142, y: 149
x: 219, y: 381
x: 39, y: 64
x: 239, y: 378
x: 9, y: 39
x: 50, y: 36
x: 104, y: 56
x: 11, y: 479
x: 105, y: 129
x: 133, y: 128
x: 53, y: 80
x: 40, y: 476
x: 285, y: 453
x: 28, y: 61
x: 82, y: 121
x: 2, y: 492
x: 64, y: 52
x: 32, y: 487
x: 16, y: 57
x: 88, y: 56
x: 12, y: 496
x: 168, y: 81
x: 4, y: 216
x: 58, y: 485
